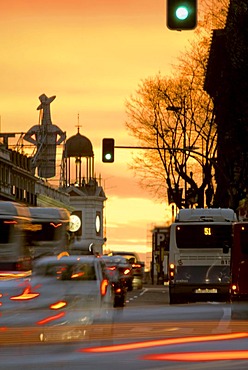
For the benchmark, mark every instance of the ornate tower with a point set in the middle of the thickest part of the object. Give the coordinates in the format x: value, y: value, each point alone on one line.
x: 87, y: 197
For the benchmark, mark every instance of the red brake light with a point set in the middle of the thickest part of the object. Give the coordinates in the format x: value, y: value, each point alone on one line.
x: 136, y: 265
x: 104, y: 285
x: 111, y: 268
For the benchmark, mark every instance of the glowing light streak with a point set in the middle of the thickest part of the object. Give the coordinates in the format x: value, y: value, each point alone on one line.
x: 26, y: 295
x: 77, y: 275
x: 104, y: 286
x: 199, y: 356
x: 165, y: 342
x: 62, y: 254
x: 58, y: 305
x: 50, y: 318
x: 55, y: 225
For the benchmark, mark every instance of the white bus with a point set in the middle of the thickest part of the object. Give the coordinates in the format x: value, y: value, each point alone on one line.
x: 14, y: 245
x: 199, y: 255
x: 49, y: 232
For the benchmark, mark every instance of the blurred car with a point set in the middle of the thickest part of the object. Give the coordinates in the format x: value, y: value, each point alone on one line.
x: 137, y: 267
x: 71, y: 291
x: 119, y: 272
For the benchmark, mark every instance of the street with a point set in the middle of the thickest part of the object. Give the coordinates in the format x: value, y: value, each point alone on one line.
x: 147, y: 333
x: 149, y: 295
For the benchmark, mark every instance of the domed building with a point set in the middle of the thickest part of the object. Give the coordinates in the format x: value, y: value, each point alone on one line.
x: 87, y: 196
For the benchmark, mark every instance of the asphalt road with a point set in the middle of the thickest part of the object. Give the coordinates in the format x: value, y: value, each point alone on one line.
x: 148, y: 295
x: 148, y: 334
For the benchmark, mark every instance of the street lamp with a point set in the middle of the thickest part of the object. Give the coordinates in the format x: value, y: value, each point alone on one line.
x: 177, y: 110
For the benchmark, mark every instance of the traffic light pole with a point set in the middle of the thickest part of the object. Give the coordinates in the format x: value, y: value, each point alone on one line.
x: 189, y: 149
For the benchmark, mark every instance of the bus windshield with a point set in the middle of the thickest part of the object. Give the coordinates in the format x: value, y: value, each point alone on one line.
x: 198, y: 236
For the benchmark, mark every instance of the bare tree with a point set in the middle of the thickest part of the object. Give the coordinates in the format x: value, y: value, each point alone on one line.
x: 163, y: 114
x: 175, y: 116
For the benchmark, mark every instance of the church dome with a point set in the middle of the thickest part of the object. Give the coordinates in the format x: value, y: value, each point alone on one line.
x: 79, y: 146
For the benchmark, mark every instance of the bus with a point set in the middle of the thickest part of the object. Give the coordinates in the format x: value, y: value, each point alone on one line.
x: 14, y: 244
x: 199, y: 255
x: 49, y: 232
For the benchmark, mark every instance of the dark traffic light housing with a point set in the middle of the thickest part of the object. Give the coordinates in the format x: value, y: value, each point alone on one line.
x: 181, y: 14
x: 108, y: 150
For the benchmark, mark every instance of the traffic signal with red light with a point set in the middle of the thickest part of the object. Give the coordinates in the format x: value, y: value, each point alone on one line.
x: 108, y: 150
x: 181, y: 14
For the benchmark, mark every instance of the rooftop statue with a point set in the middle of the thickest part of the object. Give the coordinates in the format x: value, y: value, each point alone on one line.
x: 45, y: 136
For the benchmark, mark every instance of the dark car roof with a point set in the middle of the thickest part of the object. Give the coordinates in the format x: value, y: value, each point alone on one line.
x: 128, y: 255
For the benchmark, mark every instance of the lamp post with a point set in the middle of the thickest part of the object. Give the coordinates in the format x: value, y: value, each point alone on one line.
x: 177, y: 110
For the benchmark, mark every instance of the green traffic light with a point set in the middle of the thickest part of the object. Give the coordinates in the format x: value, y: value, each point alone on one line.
x: 108, y: 156
x: 182, y: 13
x: 108, y: 150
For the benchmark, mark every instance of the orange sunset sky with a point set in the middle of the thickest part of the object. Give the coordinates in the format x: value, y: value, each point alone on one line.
x: 91, y: 54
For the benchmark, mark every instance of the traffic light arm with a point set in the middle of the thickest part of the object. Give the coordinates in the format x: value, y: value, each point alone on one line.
x: 108, y: 149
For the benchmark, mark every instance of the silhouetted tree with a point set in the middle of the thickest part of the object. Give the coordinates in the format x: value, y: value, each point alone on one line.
x: 175, y: 116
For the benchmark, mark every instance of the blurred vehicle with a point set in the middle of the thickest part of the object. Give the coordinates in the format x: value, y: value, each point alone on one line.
x: 15, y: 224
x: 137, y: 267
x: 49, y: 231
x: 27, y: 233
x: 65, y: 292
x: 119, y: 272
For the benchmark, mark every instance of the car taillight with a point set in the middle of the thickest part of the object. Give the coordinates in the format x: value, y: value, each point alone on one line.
x: 104, y: 285
x: 58, y: 305
x: 111, y: 268
x: 136, y: 266
x: 25, y: 295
